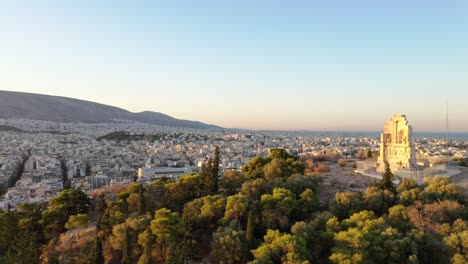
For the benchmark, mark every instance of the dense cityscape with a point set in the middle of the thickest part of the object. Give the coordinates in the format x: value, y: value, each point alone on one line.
x: 45, y: 156
x: 41, y: 161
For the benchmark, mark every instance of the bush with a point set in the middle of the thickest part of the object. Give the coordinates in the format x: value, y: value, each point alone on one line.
x: 342, y: 162
x: 322, y: 168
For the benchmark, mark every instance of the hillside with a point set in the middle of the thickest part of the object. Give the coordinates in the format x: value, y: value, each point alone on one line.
x: 267, y: 213
x: 63, y: 109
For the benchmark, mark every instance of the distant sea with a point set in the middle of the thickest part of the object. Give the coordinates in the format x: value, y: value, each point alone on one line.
x: 457, y: 135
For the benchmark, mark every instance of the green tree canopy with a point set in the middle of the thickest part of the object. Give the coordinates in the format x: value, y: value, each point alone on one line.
x: 229, y: 244
x: 281, y: 248
x: 167, y: 229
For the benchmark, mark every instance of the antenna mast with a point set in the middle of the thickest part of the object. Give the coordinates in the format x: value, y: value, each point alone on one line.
x: 446, y: 127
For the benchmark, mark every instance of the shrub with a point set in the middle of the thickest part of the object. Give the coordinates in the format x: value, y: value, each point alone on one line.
x: 342, y: 162
x: 322, y: 168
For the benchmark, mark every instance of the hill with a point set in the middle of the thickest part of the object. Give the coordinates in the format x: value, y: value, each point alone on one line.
x: 64, y: 109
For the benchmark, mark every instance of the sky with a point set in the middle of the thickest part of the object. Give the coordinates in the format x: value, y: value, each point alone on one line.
x: 255, y: 64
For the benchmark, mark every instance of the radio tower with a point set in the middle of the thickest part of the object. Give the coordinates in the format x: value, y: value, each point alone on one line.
x: 446, y: 127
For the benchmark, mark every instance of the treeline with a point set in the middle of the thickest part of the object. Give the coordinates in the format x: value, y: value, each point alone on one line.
x: 126, y: 136
x: 268, y: 213
x: 25, y: 233
x: 7, y: 128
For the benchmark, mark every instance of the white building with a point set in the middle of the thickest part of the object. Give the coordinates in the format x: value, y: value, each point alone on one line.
x: 153, y: 173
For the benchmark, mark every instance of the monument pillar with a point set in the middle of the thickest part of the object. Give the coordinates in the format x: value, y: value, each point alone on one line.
x: 396, y: 145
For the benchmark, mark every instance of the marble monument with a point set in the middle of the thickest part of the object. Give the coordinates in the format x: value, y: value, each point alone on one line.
x: 396, y: 146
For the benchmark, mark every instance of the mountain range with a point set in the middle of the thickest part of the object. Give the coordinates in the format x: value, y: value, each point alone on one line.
x: 64, y: 109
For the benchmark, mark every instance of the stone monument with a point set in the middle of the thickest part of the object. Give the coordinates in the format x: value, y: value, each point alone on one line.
x: 396, y: 146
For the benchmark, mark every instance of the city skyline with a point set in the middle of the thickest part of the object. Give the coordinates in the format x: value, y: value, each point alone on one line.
x: 263, y: 65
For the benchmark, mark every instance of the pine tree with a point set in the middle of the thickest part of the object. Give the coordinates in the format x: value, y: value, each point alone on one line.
x: 205, y: 178
x: 215, y: 171
x: 26, y: 248
x: 147, y: 241
x: 369, y: 153
x: 249, y: 235
x: 141, y: 202
x: 127, y: 250
x: 209, y: 174
x: 98, y: 257
x: 387, y: 179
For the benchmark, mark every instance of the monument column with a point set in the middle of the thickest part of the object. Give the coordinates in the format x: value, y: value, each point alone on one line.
x: 399, y: 150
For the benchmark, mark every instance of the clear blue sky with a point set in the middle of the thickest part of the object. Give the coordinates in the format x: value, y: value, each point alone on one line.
x: 319, y: 65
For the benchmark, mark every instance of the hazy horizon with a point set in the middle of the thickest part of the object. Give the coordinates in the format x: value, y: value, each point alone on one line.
x: 263, y: 65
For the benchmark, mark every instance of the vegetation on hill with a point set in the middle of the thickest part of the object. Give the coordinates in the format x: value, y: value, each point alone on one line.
x: 8, y: 128
x: 268, y: 213
x: 126, y: 136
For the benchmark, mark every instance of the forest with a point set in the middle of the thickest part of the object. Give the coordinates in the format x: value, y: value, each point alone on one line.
x: 268, y: 212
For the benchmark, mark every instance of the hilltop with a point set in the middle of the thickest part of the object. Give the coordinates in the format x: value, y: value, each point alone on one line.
x: 64, y: 109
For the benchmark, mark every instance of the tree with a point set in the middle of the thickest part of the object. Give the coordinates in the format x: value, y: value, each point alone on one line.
x: 74, y: 202
x: 231, y: 182
x: 345, y: 204
x: 215, y: 171
x: 77, y: 221
x: 8, y: 230
x: 98, y: 255
x: 365, y: 238
x: 191, y: 213
x: 279, y: 153
x: 387, y: 179
x: 279, y: 164
x: 26, y: 248
x: 309, y: 203
x: 236, y: 207
x: 21, y: 235
x: 398, y: 217
x: 408, y: 191
x: 176, y: 194
x: 254, y: 169
x: 213, y: 208
x: 167, y: 229
x: 309, y: 166
x: 209, y: 174
x: 249, y: 234
x: 205, y: 177
x: 141, y: 201
x: 457, y: 242
x: 278, y: 208
x: 126, y: 247
x: 281, y: 248
x: 298, y: 183
x: 146, y: 241
x: 200, y: 218
x: 69, y: 202
x: 322, y: 167
x: 369, y: 153
x: 318, y: 241
x: 461, y: 161
x: 360, y: 154
x: 438, y: 188
x: 434, y: 217
x: 255, y: 188
x: 229, y: 244
x: 125, y: 237
x: 378, y: 200
x: 274, y: 169
x: 342, y: 162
